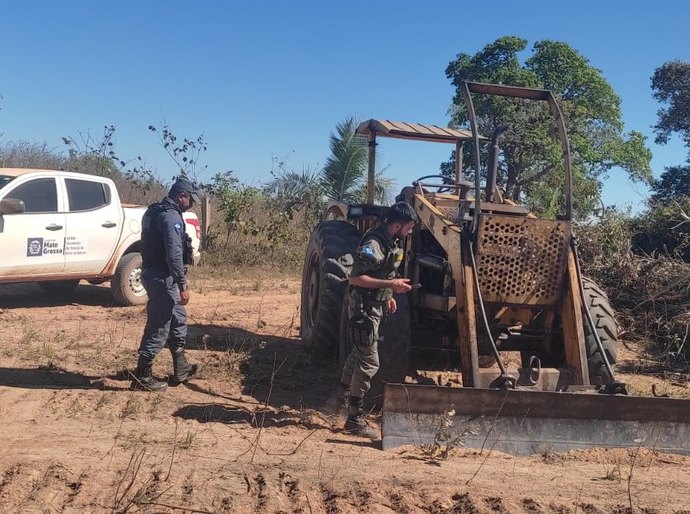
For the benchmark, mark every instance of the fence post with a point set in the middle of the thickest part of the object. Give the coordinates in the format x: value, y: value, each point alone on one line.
x: 205, y: 220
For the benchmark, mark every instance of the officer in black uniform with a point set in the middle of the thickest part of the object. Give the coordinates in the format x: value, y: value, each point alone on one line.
x: 372, y: 284
x: 166, y: 250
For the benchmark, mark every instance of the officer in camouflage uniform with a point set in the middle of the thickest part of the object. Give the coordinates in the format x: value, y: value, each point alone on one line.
x: 372, y: 284
x: 166, y: 250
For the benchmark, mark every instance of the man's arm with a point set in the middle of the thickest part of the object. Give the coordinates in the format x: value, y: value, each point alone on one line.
x: 398, y: 285
x: 172, y: 228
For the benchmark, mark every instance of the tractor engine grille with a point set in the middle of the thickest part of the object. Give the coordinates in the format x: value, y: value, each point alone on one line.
x: 521, y: 261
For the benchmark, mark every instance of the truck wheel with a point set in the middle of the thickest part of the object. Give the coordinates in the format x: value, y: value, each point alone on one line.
x: 605, y: 324
x: 394, y: 348
x: 59, y: 287
x: 326, y: 268
x: 126, y: 283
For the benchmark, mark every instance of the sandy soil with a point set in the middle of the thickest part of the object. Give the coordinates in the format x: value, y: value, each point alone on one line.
x: 248, y: 435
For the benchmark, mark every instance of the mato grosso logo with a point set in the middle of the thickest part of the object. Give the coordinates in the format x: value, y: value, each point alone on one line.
x: 36, y: 246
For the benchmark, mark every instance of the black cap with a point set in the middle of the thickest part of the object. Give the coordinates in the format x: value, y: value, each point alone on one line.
x: 402, y: 211
x: 184, y: 185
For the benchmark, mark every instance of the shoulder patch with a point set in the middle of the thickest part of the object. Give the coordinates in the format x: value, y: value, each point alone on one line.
x: 178, y: 227
x: 369, y: 250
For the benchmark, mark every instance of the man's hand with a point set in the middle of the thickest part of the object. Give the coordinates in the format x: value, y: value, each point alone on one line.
x: 401, y: 285
x: 184, y: 297
x: 391, y: 306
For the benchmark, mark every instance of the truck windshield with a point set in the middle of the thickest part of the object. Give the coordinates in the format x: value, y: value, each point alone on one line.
x: 4, y: 180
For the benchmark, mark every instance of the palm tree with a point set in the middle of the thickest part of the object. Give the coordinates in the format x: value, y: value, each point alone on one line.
x: 344, y: 177
x: 294, y: 190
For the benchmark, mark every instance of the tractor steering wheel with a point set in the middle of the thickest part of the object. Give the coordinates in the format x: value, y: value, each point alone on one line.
x: 446, y: 180
x: 441, y: 189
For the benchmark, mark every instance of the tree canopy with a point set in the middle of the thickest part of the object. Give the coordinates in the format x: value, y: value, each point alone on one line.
x: 674, y: 183
x: 530, y: 170
x: 671, y: 86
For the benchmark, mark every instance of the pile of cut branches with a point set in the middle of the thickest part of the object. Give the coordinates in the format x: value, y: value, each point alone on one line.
x: 651, y: 293
x: 657, y: 307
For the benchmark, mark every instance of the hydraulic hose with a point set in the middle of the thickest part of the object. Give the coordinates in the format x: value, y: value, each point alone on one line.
x: 504, y: 374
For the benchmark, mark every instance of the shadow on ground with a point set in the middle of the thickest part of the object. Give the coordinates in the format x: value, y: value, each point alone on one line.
x: 657, y: 369
x: 214, y: 412
x: 49, y: 377
x: 276, y: 371
x: 31, y: 295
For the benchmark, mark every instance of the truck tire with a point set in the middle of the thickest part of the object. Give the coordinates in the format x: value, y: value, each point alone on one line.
x: 59, y: 288
x: 395, y: 335
x: 605, y: 324
x: 126, y: 284
x: 327, y: 265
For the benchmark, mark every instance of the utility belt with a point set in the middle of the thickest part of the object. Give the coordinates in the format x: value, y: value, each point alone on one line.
x: 159, y: 268
x: 373, y: 296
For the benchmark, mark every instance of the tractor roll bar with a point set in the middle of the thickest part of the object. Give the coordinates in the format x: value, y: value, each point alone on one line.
x: 529, y: 94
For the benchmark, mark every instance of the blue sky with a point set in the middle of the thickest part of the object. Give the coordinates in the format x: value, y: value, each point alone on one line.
x: 268, y: 79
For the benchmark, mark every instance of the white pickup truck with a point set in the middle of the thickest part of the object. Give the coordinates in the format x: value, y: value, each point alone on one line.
x: 57, y: 228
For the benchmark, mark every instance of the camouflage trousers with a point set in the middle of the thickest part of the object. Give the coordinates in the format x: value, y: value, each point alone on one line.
x: 364, y: 319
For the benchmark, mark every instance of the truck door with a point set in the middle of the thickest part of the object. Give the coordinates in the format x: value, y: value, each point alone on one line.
x: 32, y: 242
x: 94, y: 224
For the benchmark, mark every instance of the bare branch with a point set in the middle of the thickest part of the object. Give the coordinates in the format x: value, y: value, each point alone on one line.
x: 525, y: 180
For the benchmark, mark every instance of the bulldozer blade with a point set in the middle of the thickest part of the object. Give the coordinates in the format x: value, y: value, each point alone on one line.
x: 522, y: 422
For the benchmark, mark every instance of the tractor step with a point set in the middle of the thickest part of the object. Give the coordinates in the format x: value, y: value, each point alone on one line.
x: 522, y: 422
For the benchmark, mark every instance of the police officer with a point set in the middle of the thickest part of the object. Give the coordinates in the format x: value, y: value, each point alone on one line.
x: 372, y: 284
x: 166, y: 249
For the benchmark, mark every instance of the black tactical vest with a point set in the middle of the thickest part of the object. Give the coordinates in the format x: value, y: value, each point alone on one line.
x: 392, y: 260
x: 152, y: 250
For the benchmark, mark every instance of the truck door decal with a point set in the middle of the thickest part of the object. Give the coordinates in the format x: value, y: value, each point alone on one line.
x: 34, y: 247
x: 37, y: 246
x: 75, y: 246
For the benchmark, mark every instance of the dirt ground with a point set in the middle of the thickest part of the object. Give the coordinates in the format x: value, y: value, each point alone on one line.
x: 248, y: 436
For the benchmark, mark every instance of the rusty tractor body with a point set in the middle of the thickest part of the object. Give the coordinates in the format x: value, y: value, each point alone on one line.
x: 497, y: 282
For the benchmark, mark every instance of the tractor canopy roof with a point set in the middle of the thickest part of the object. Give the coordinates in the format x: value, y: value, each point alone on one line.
x: 417, y: 131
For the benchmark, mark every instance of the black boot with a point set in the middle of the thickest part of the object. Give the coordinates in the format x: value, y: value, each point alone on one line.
x: 143, y: 380
x: 355, y: 423
x: 338, y: 401
x: 182, y: 370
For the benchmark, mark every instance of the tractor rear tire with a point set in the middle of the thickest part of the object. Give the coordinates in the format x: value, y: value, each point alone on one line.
x: 605, y: 323
x: 395, y: 335
x: 324, y: 280
x: 606, y: 328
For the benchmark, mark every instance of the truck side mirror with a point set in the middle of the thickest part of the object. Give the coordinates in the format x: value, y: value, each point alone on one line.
x: 12, y: 206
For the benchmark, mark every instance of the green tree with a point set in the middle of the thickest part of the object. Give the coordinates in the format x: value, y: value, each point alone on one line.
x: 671, y: 86
x: 530, y: 169
x: 673, y: 184
x: 664, y: 229
x: 293, y: 191
x: 235, y: 201
x: 344, y: 177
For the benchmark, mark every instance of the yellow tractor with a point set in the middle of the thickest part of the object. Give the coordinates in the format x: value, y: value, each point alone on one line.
x: 503, y: 293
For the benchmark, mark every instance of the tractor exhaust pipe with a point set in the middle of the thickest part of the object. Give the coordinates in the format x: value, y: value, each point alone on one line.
x: 492, y: 169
